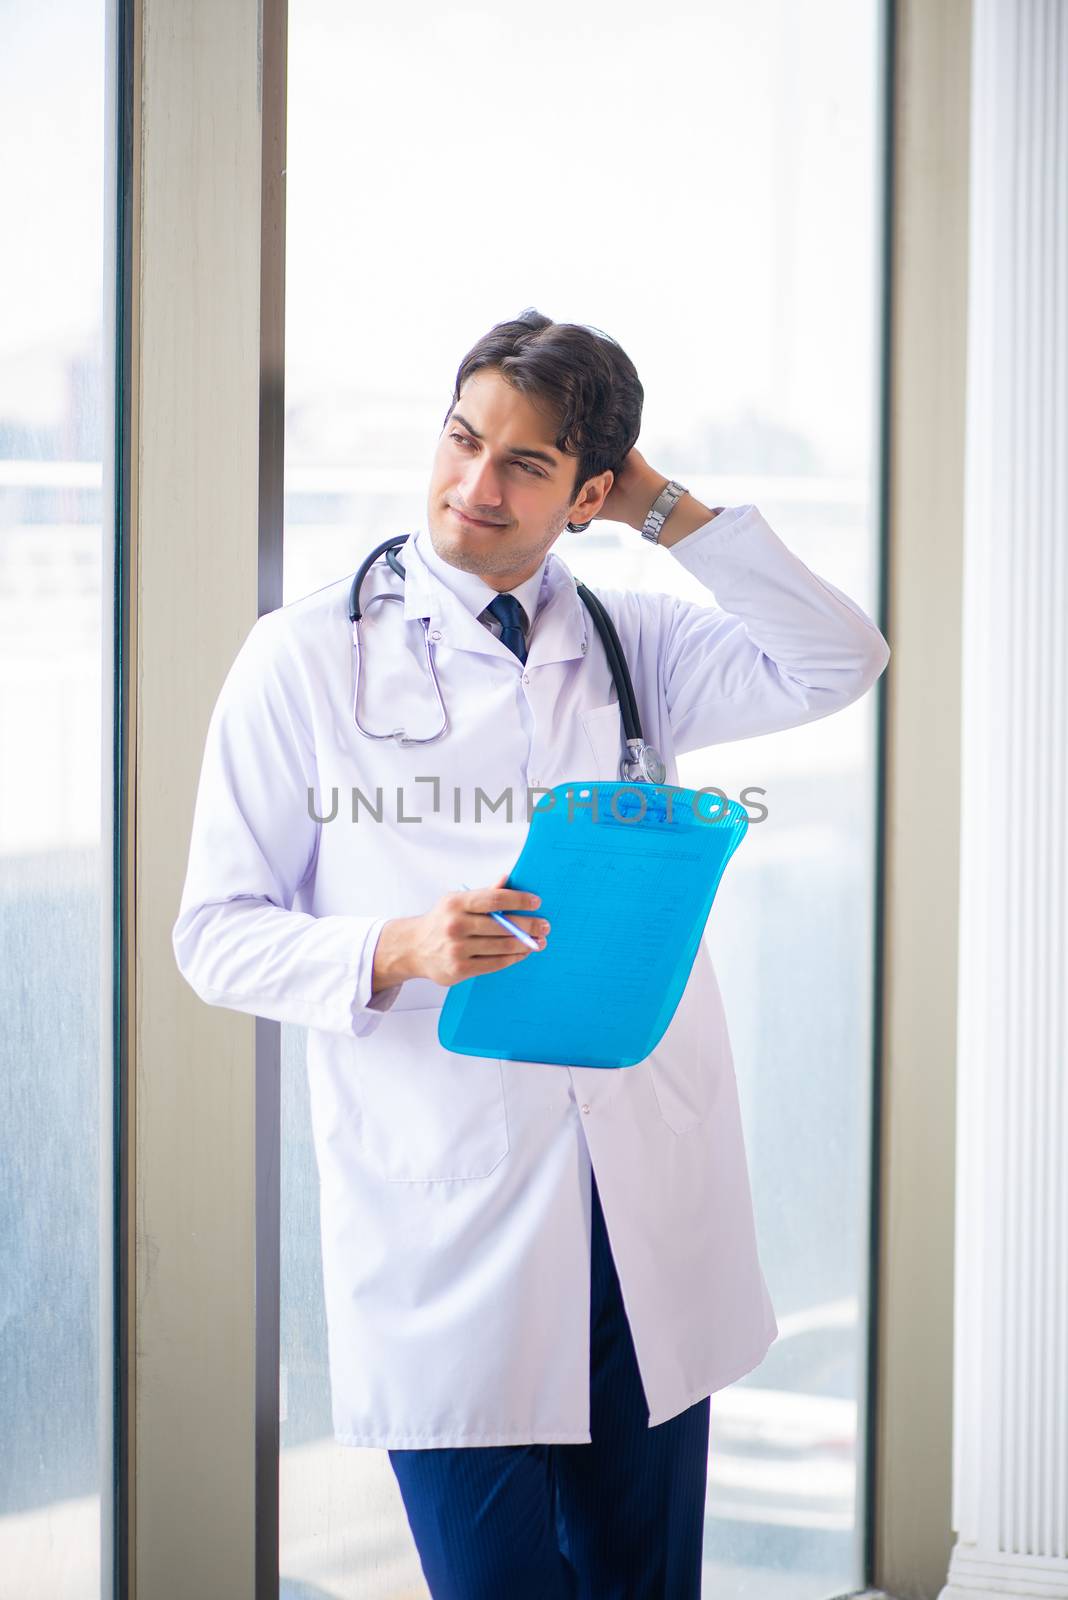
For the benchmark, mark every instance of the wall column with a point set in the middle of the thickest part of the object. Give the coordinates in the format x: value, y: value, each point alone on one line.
x: 1010, y: 1486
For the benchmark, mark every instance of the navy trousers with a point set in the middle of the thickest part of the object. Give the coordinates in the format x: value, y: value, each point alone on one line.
x: 621, y: 1518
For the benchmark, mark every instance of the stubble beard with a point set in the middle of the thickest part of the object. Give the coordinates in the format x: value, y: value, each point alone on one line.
x: 494, y: 563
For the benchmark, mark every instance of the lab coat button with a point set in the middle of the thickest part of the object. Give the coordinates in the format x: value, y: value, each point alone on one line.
x: 586, y: 1109
x: 436, y: 634
x: 526, y: 677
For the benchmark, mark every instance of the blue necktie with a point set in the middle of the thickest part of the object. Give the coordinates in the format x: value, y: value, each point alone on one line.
x: 508, y: 611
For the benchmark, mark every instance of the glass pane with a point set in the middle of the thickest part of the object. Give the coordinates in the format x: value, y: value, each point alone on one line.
x: 55, y: 835
x: 702, y: 184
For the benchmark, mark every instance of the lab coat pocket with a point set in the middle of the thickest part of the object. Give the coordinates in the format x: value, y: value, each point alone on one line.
x: 684, y: 1066
x: 424, y: 1113
x: 603, y: 727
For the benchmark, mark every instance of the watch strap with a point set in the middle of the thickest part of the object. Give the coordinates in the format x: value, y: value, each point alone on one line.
x: 661, y: 508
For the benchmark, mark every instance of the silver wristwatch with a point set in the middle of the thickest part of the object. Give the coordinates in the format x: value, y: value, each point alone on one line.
x: 661, y: 506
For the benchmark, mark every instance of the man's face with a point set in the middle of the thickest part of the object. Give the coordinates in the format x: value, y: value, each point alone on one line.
x: 500, y: 491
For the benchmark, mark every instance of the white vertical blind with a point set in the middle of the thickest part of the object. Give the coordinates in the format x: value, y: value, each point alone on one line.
x: 1010, y: 1489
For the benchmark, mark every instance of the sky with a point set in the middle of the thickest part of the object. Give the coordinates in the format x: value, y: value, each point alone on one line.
x: 699, y: 182
x: 51, y: 197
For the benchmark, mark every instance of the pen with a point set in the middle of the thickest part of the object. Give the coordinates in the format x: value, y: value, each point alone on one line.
x: 499, y: 916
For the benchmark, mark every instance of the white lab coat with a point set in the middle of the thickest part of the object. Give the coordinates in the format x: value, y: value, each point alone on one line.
x: 455, y: 1190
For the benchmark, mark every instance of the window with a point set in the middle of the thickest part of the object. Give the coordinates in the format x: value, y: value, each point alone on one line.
x: 704, y: 185
x: 55, y: 833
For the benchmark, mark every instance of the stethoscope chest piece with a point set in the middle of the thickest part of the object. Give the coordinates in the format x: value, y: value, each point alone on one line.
x: 645, y: 765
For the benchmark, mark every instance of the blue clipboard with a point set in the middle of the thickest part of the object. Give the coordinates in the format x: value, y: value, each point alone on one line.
x: 626, y: 874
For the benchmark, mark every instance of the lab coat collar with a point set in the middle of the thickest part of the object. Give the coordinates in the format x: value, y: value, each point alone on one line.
x: 557, y: 633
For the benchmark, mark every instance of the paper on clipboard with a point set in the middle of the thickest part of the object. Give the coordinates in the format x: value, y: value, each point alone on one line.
x: 627, y: 874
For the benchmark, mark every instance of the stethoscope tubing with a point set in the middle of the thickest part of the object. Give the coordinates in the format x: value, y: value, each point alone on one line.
x: 628, y: 703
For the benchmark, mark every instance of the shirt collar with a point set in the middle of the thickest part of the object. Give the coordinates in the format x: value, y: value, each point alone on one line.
x: 473, y: 591
x: 561, y: 635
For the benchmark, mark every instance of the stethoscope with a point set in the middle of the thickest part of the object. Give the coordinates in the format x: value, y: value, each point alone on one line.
x: 640, y: 762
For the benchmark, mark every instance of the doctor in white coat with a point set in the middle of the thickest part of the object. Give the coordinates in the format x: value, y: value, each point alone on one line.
x: 460, y: 1197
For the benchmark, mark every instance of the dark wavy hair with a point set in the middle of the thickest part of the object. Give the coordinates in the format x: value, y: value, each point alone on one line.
x: 581, y: 377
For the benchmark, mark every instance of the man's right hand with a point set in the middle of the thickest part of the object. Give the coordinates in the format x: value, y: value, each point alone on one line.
x: 455, y: 939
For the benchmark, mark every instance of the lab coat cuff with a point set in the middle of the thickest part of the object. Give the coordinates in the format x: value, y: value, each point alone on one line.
x: 713, y: 534
x: 368, y: 1008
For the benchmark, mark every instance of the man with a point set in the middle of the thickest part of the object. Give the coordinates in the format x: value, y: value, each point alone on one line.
x: 538, y: 1365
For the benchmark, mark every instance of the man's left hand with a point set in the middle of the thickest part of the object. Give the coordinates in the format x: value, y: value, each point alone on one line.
x: 633, y: 491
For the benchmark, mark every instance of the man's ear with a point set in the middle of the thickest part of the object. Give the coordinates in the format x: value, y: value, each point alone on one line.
x: 609, y: 476
x: 581, y: 513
